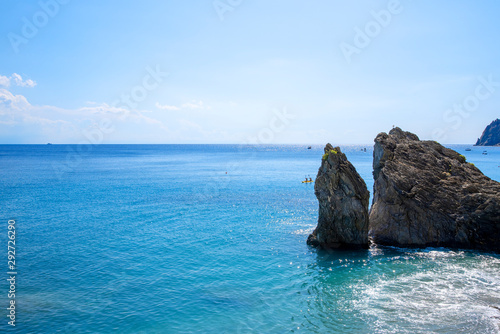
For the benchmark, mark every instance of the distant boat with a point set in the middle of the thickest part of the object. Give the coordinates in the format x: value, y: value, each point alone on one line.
x: 309, y: 148
x: 468, y: 149
x: 308, y: 179
x: 364, y: 150
x: 485, y: 152
x: 49, y: 143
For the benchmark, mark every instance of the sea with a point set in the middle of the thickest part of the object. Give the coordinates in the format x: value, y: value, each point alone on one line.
x: 212, y: 239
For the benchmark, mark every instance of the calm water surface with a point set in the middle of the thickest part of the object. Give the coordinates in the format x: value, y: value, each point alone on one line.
x: 159, y: 239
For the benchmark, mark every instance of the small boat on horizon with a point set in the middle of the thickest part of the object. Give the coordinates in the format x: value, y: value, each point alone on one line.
x: 468, y: 149
x: 485, y: 152
x: 309, y: 148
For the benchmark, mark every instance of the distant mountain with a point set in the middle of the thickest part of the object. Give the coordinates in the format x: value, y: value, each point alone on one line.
x: 491, y: 135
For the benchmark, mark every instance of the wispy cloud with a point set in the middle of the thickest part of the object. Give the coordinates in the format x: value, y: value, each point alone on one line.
x: 106, y: 110
x: 9, y: 101
x: 23, y: 83
x: 193, y: 105
x: 4, y: 81
x: 166, y: 107
x: 16, y: 110
x: 103, y: 108
x: 17, y: 80
x: 58, y: 124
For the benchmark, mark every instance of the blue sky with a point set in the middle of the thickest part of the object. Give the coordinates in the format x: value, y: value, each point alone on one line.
x: 244, y: 71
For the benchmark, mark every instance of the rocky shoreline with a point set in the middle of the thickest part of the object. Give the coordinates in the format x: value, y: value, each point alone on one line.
x: 424, y: 195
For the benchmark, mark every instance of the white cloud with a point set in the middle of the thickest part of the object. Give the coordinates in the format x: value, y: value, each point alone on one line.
x: 188, y: 105
x: 23, y: 83
x: 166, y: 107
x: 103, y: 108
x: 4, y: 81
x: 17, y: 80
x: 9, y: 101
x: 194, y: 105
x: 39, y: 123
x: 55, y: 124
x: 18, y: 115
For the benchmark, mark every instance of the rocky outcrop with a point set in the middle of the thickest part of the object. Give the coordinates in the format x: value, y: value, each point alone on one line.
x: 491, y: 135
x: 343, y: 204
x: 428, y: 195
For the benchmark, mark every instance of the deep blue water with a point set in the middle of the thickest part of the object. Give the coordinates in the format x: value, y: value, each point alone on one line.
x: 159, y: 239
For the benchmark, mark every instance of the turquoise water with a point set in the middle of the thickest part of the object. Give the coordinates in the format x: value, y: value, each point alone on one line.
x: 159, y: 239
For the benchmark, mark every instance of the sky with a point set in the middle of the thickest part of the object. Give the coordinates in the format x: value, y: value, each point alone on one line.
x: 241, y: 71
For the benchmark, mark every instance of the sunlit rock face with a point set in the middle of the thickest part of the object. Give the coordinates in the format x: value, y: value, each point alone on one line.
x: 343, y: 204
x: 428, y: 195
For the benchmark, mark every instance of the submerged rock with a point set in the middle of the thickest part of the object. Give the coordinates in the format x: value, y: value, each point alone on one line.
x: 491, y: 135
x: 343, y: 204
x: 428, y: 195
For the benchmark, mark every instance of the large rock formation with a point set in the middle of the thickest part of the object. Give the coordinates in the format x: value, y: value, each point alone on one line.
x: 343, y: 204
x: 491, y: 135
x: 428, y: 195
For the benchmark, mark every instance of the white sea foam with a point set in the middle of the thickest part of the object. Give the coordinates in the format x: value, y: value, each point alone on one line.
x: 445, y: 292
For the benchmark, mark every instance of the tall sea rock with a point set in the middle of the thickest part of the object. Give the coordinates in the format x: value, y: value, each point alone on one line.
x: 428, y: 195
x: 343, y: 204
x: 491, y: 135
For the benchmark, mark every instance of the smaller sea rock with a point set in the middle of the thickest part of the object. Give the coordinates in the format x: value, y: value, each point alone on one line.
x: 343, y: 204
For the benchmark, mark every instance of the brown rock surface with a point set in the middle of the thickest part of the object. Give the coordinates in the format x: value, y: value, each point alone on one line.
x: 428, y: 195
x: 343, y: 204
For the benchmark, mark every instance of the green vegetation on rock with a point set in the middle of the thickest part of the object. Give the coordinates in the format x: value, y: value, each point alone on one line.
x: 325, y: 156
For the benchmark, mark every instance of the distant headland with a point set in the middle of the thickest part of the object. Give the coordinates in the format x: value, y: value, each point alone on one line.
x: 491, y: 135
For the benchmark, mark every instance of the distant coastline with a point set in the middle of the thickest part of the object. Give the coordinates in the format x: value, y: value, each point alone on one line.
x: 491, y: 135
